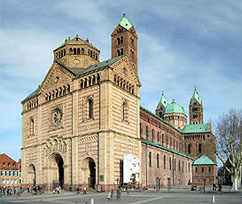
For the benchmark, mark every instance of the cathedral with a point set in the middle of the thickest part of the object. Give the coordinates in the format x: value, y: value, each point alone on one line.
x: 85, y: 117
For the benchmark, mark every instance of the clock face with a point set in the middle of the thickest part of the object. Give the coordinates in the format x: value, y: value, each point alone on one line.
x: 57, y: 116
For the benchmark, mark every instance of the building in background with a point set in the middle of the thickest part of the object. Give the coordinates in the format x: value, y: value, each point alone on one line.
x: 85, y: 117
x: 204, y: 171
x: 9, y: 171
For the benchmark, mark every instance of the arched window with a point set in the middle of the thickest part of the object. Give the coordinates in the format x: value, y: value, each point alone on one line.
x: 90, y: 108
x: 64, y: 52
x: 157, y: 161
x: 179, y: 165
x: 164, y: 161
x: 150, y: 159
x: 60, y: 91
x: 64, y: 90
x: 68, y: 88
x: 81, y: 84
x: 98, y: 78
x: 152, y: 135
x: 70, y: 51
x: 174, y: 164
x: 163, y: 139
x: 200, y: 148
x: 93, y: 79
x: 89, y: 81
x: 124, y: 111
x: 91, y: 53
x: 85, y: 83
x: 118, y: 52
x: 189, y: 148
x: 158, y: 137
x: 170, y: 163
x: 118, y: 40
x: 31, y: 126
x: 74, y: 51
x: 121, y: 40
x: 78, y: 51
x: 121, y: 51
x: 147, y: 132
x: 56, y: 93
x: 82, y: 51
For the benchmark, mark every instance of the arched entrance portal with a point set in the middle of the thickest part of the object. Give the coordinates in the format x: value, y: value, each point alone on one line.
x: 56, y: 170
x: 89, y: 168
x: 32, y: 175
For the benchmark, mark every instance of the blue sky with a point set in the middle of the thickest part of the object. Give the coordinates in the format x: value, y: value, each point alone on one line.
x: 181, y: 44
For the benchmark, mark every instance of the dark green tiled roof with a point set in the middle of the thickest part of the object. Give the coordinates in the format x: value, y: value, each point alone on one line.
x: 101, y: 64
x: 33, y: 94
x: 82, y: 71
x: 159, y: 118
x: 174, y: 108
x: 196, y: 128
x: 203, y: 160
x: 124, y: 22
x: 165, y: 148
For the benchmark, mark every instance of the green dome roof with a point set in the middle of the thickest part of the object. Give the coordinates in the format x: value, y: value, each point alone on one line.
x: 174, y: 108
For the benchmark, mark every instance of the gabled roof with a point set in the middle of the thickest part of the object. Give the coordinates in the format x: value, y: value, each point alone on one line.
x: 203, y: 160
x: 165, y: 148
x: 196, y: 97
x: 196, y: 128
x: 174, y: 108
x: 80, y: 71
x: 6, y: 159
x: 163, y: 100
x: 125, y: 23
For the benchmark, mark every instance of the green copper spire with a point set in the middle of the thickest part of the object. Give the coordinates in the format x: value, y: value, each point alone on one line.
x: 196, y: 96
x: 163, y: 100
x: 124, y: 22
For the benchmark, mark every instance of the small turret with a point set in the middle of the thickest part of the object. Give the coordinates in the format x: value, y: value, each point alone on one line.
x: 161, y: 105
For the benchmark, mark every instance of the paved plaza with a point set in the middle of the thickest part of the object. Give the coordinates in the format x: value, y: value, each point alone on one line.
x: 147, y: 197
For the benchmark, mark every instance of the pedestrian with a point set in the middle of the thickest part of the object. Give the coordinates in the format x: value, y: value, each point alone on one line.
x: 84, y: 191
x: 112, y: 194
x: 109, y: 195
x: 118, y: 194
x: 78, y: 190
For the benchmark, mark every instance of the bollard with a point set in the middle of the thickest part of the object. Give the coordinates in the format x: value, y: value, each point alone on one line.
x: 213, y: 201
x: 92, y: 201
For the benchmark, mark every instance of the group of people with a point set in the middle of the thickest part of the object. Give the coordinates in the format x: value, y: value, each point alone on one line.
x: 57, y: 190
x: 7, y: 191
x: 34, y: 189
x: 110, y: 194
x: 78, y: 191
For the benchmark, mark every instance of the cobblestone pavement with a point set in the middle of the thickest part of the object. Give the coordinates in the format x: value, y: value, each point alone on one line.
x: 131, y: 198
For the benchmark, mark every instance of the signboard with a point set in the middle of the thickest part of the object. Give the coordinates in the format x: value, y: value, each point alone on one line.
x: 131, y: 169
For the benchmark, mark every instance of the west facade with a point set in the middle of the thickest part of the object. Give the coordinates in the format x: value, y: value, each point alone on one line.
x: 86, y: 115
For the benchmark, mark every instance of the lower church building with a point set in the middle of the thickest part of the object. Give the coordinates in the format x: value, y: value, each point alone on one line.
x: 86, y: 116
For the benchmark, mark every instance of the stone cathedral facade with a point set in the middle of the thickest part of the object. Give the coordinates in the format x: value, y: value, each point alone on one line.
x: 86, y: 115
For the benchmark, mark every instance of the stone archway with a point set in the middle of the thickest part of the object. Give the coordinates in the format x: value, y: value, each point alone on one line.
x: 31, y: 175
x: 89, y: 169
x: 56, y: 170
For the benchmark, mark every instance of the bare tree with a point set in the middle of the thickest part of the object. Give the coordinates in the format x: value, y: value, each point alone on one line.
x: 229, y: 144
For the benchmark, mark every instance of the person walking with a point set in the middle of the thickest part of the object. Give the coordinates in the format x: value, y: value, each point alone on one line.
x: 118, y: 194
x: 109, y: 196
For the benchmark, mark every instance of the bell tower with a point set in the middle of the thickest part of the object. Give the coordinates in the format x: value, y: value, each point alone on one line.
x: 124, y: 41
x: 196, y: 109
